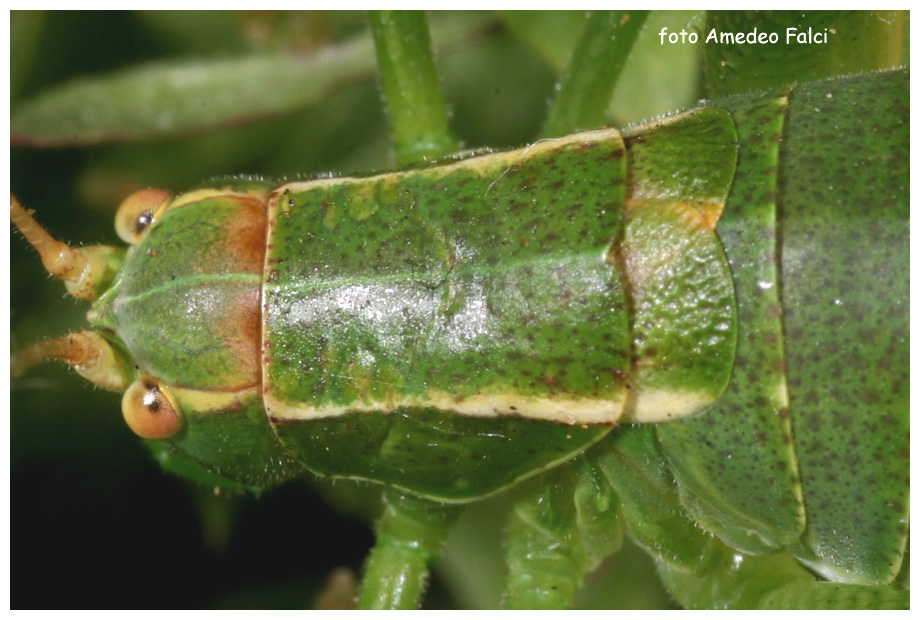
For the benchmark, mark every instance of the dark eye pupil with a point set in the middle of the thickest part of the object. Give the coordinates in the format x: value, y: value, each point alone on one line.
x: 144, y: 220
x: 152, y: 400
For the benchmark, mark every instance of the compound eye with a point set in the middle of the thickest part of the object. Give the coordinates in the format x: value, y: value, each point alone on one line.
x: 150, y: 411
x: 137, y: 212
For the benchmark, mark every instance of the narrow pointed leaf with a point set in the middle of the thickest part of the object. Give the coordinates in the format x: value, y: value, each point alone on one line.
x: 170, y: 98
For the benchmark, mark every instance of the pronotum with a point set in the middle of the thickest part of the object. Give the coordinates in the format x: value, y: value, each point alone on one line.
x: 436, y: 291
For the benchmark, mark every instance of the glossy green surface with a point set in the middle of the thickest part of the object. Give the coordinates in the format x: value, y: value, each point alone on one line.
x: 683, y: 316
x: 756, y: 507
x: 437, y: 454
x: 187, y: 302
x: 238, y: 445
x: 393, y: 290
x: 400, y: 286
x: 848, y: 319
x: 835, y: 319
x: 819, y: 476
x: 487, y: 279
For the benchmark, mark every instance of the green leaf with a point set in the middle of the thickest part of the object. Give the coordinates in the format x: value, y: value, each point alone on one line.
x: 169, y: 98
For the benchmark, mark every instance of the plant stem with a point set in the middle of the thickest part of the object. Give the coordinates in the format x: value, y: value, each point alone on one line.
x: 593, y: 71
x: 411, y: 90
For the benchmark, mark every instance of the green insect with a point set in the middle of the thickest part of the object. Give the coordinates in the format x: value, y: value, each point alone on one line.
x: 478, y: 327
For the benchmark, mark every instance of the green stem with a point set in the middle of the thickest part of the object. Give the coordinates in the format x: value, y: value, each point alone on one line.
x: 409, y: 537
x: 415, y: 105
x: 593, y: 71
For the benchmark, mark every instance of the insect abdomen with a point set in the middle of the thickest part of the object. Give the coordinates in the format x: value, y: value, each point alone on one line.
x: 764, y: 470
x: 845, y: 273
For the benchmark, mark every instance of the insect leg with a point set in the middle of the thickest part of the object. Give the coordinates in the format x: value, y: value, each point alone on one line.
x: 699, y: 570
x: 409, y: 537
x: 726, y: 578
x: 562, y: 525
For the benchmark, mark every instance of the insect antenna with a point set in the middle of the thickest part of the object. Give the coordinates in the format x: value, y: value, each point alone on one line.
x: 87, y: 272
x: 71, y: 349
x: 87, y: 352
